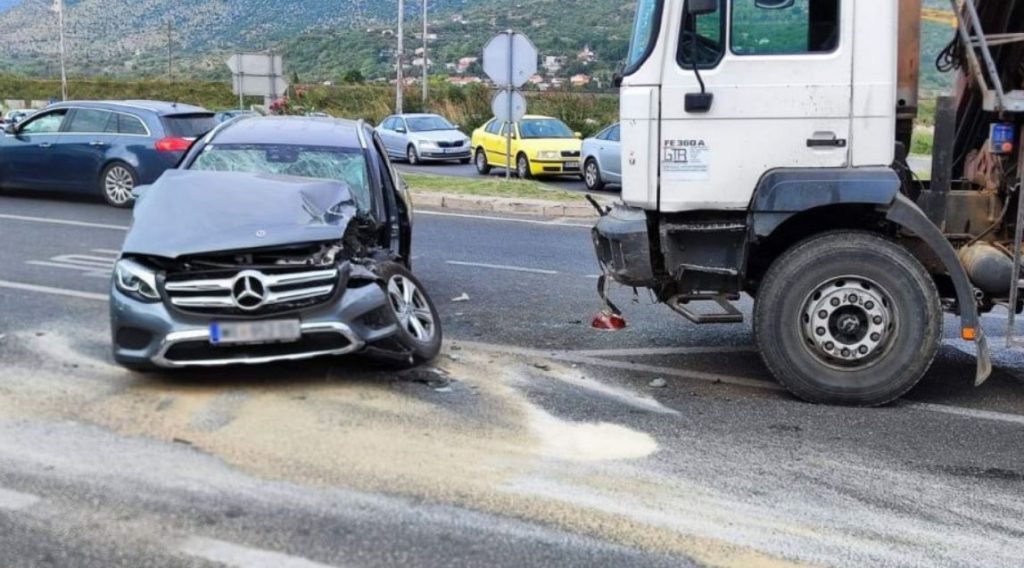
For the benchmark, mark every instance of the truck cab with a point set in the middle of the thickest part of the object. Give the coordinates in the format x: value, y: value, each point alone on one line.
x: 764, y: 152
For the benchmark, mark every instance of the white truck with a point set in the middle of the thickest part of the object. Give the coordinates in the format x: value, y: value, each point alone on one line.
x: 765, y: 152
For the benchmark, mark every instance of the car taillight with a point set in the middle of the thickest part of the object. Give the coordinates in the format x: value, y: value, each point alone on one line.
x: 172, y: 144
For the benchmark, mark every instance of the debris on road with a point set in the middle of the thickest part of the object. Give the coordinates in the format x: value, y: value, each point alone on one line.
x: 463, y: 298
x: 542, y: 366
x: 658, y: 383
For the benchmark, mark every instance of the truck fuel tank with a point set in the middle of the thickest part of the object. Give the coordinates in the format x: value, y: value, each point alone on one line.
x: 989, y: 268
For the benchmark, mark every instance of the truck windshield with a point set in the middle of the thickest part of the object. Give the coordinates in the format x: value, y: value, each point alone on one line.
x: 645, y: 33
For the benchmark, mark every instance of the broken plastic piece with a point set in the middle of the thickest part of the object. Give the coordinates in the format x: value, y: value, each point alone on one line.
x: 606, y: 321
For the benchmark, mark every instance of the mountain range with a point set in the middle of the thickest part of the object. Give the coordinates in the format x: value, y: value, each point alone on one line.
x: 321, y: 39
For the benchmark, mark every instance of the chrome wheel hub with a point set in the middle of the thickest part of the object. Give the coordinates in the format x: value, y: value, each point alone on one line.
x: 849, y: 321
x: 119, y: 185
x: 411, y: 308
x: 591, y: 174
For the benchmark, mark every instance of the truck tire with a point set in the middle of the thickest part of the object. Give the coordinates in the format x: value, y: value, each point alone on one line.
x: 848, y: 318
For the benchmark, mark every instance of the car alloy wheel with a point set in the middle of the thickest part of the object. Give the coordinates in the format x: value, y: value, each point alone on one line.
x: 411, y: 156
x: 118, y: 184
x: 592, y: 176
x: 523, y: 167
x: 482, y: 167
x: 411, y: 308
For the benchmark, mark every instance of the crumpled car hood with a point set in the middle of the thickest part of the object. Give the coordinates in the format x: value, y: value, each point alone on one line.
x: 195, y: 212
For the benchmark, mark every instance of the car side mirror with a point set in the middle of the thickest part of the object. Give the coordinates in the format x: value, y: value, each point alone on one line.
x: 400, y: 130
x: 702, y: 7
x: 138, y: 191
x: 578, y: 135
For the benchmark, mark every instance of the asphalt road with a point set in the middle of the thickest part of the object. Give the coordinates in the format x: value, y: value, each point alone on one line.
x: 568, y: 183
x: 534, y: 441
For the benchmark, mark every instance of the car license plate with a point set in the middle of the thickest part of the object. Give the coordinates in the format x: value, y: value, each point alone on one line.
x: 574, y: 166
x: 451, y: 150
x: 254, y: 333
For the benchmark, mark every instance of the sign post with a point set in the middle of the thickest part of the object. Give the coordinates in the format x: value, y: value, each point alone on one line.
x: 258, y: 75
x: 510, y: 59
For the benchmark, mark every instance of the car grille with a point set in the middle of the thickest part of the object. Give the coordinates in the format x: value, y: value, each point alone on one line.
x: 251, y: 292
x: 458, y: 144
x: 570, y: 154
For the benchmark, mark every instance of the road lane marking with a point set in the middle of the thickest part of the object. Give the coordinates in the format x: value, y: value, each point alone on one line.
x: 552, y: 223
x: 15, y: 501
x: 658, y: 351
x: 670, y: 371
x: 53, y: 291
x: 238, y: 556
x: 966, y: 412
x: 501, y: 267
x: 89, y: 264
x: 64, y: 222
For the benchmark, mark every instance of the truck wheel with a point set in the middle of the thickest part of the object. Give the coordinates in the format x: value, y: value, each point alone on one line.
x: 419, y: 324
x: 848, y: 318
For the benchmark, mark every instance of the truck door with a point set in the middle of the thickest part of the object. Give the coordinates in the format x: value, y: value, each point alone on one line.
x: 781, y: 77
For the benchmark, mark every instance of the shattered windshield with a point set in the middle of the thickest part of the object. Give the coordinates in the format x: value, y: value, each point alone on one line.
x: 428, y: 124
x: 341, y: 164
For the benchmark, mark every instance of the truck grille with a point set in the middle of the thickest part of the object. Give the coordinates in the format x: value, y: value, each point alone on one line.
x: 251, y: 292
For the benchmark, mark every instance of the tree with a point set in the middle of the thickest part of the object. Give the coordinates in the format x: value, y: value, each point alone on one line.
x: 353, y: 77
x: 295, y: 78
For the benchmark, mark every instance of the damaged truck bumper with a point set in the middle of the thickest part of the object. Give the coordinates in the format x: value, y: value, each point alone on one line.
x: 623, y: 246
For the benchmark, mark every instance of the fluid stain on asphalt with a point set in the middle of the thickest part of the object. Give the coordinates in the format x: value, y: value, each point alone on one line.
x: 374, y: 432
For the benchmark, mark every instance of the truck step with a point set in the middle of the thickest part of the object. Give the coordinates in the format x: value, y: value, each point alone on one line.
x: 729, y: 313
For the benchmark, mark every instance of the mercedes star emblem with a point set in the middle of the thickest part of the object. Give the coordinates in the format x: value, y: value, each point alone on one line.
x: 249, y: 290
x: 261, y: 234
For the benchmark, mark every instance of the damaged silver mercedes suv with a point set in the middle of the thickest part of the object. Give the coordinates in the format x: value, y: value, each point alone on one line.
x: 276, y: 239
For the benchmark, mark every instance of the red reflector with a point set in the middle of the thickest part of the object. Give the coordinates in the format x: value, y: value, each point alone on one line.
x: 171, y: 144
x: 608, y: 322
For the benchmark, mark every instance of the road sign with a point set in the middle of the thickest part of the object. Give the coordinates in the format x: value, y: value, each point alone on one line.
x: 502, y: 106
x: 510, y: 59
x: 258, y: 74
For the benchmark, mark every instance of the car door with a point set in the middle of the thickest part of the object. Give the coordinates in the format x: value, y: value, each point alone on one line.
x: 497, y: 145
x: 387, y: 134
x: 88, y: 136
x: 26, y: 157
x: 611, y: 155
x: 782, y: 82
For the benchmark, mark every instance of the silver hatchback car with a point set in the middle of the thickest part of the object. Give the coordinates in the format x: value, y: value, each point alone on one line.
x: 424, y: 138
x: 602, y: 159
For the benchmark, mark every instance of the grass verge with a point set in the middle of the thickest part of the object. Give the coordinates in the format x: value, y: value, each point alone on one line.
x: 489, y: 187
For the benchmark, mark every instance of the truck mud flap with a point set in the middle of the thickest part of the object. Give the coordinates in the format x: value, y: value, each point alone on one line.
x: 905, y: 213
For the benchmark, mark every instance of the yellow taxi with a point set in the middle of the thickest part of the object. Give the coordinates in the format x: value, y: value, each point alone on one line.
x: 541, y: 146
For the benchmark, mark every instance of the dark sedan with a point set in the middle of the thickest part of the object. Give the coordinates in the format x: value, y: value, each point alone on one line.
x: 106, y: 148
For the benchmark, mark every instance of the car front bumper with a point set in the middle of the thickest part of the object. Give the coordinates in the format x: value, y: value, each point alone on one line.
x: 440, y: 156
x: 567, y: 167
x: 156, y: 335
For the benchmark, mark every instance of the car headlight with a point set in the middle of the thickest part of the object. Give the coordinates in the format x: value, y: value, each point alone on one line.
x: 136, y: 281
x: 427, y: 144
x: 548, y: 155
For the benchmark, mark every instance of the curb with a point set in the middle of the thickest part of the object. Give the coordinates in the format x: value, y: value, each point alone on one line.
x: 482, y: 204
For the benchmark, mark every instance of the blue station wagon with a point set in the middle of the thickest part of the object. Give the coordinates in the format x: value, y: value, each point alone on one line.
x: 106, y: 148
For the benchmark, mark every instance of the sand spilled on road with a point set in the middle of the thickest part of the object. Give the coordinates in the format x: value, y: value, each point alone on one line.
x: 375, y: 432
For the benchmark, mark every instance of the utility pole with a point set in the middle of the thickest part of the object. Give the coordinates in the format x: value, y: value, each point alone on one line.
x: 170, y: 52
x: 58, y: 6
x: 426, y: 58
x: 399, y: 94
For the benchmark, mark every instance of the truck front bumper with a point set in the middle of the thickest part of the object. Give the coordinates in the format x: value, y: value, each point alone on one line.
x: 623, y: 246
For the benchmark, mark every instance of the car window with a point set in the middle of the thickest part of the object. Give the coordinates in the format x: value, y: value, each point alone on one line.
x: 616, y: 133
x: 90, y: 121
x: 428, y: 124
x: 493, y: 127
x: 128, y: 124
x: 342, y: 164
x: 189, y: 125
x: 388, y: 123
x: 544, y: 128
x: 48, y: 123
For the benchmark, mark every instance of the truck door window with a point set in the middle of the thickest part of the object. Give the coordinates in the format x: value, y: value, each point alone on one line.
x: 708, y: 31
x: 645, y: 33
x: 808, y: 26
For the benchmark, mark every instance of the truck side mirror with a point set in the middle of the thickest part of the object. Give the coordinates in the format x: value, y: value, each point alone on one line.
x: 702, y: 7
